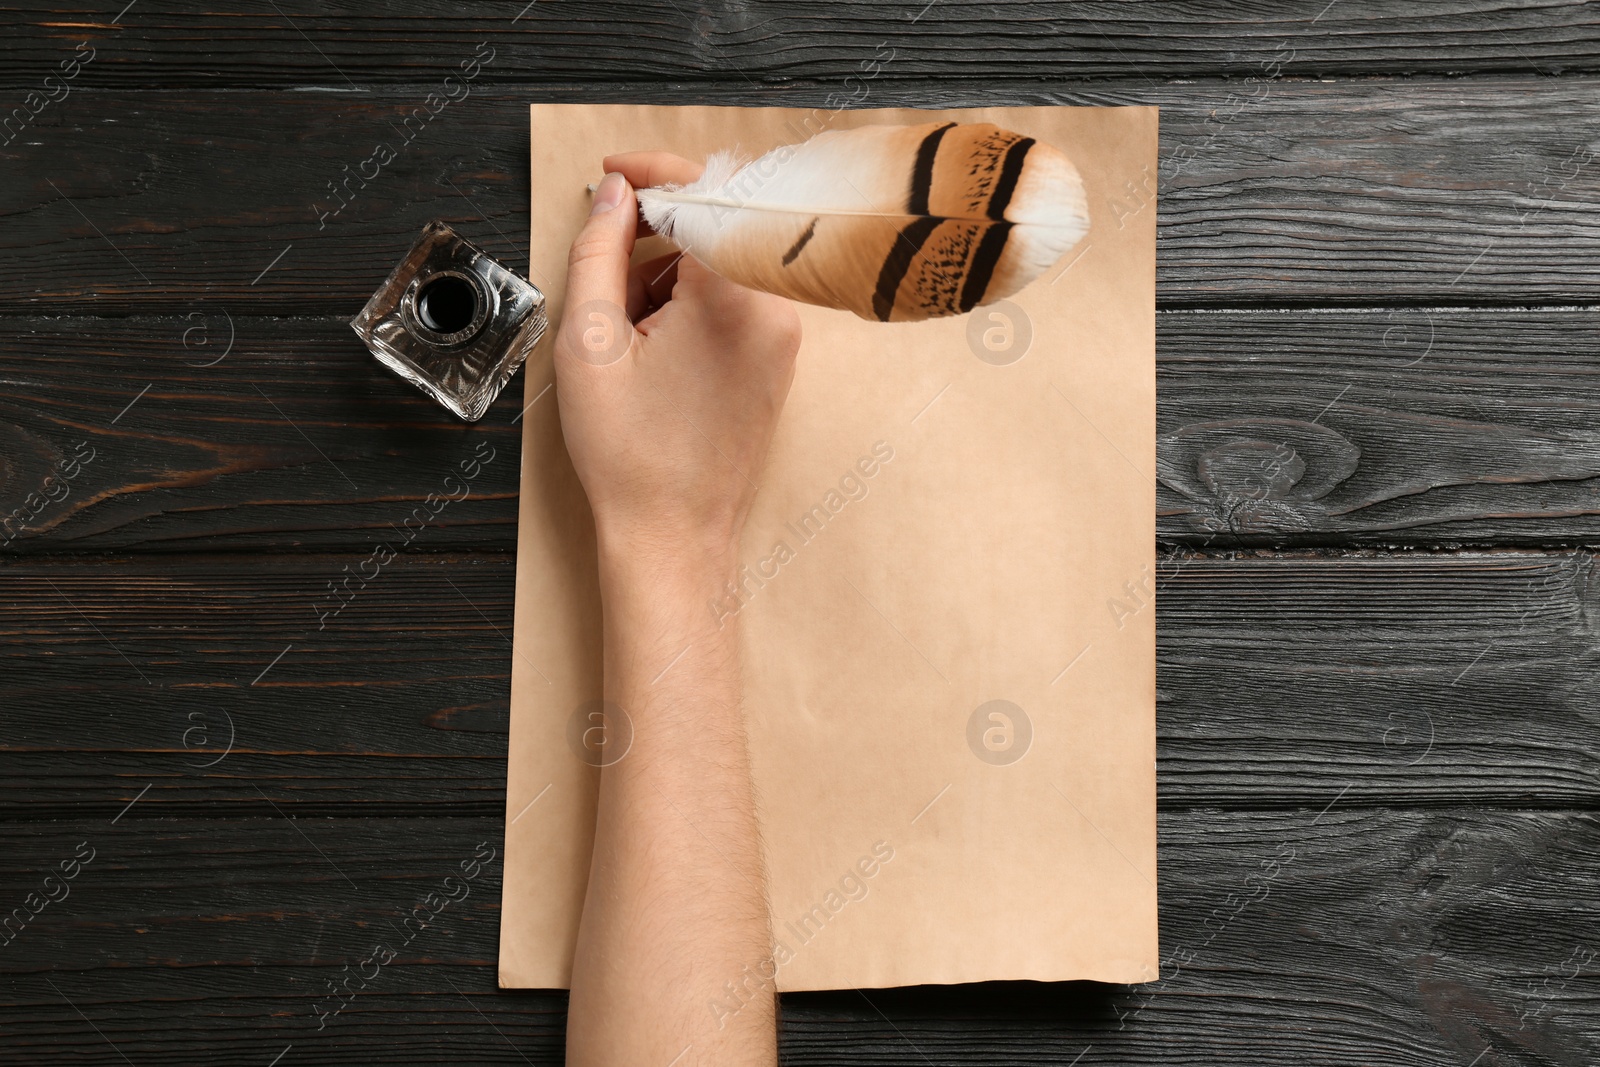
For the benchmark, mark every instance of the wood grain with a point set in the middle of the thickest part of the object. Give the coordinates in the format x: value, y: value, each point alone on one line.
x: 1281, y: 192
x: 1411, y: 426
x: 1420, y: 680
x: 1340, y: 937
x: 1397, y: 426
x: 300, y: 44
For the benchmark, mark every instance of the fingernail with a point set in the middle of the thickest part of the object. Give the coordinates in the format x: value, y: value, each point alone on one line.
x: 609, y: 195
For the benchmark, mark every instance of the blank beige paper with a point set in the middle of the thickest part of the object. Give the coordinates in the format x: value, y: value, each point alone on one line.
x: 949, y: 609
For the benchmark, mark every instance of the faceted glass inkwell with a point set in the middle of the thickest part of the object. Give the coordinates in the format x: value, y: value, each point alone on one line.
x: 452, y: 321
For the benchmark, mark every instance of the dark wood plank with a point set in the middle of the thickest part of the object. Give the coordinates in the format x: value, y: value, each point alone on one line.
x: 1419, y: 680
x: 1399, y: 678
x: 1338, y: 936
x: 1420, y: 426
x: 212, y: 430
x: 1282, y: 192
x: 297, y: 44
x: 398, y: 703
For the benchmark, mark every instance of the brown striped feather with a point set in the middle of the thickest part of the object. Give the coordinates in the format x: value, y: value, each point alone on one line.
x: 893, y: 223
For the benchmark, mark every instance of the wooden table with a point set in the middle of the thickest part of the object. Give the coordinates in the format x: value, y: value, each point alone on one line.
x: 1379, y: 258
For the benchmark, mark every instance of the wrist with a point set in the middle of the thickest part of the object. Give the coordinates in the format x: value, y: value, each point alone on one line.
x: 659, y: 600
x: 689, y: 564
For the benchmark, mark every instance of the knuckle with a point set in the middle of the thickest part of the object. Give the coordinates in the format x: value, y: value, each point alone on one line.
x: 779, y: 323
x: 786, y: 336
x: 788, y: 324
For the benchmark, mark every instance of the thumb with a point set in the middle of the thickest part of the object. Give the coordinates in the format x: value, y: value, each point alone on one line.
x: 597, y: 268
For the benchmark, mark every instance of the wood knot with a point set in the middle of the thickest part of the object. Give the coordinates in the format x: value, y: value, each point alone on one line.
x: 33, y: 482
x: 1257, y: 470
x: 1256, y: 475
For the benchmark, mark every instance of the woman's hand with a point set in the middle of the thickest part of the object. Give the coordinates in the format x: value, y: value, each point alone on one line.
x: 670, y: 379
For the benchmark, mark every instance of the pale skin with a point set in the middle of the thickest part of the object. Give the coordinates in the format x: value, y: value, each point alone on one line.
x: 669, y: 439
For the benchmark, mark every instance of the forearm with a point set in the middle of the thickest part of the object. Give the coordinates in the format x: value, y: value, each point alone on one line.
x: 676, y: 906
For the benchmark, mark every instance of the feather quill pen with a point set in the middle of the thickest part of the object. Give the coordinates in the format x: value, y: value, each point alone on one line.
x: 894, y: 223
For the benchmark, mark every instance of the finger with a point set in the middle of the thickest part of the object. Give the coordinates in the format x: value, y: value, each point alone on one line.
x: 702, y: 285
x: 597, y: 267
x: 650, y: 284
x: 638, y: 300
x: 647, y: 169
x: 657, y: 277
x: 716, y: 299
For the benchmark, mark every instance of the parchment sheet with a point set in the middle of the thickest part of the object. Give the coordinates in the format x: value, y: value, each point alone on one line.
x: 986, y: 533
